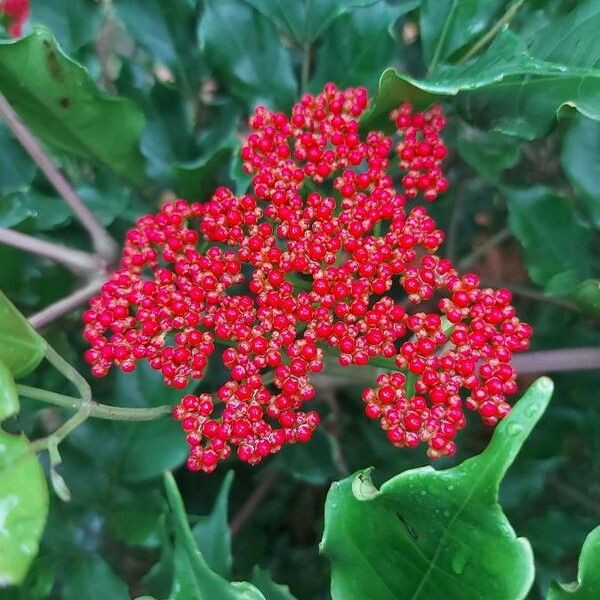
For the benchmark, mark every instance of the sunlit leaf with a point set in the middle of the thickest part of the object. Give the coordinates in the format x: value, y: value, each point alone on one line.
x: 23, y: 507
x: 21, y: 348
x: 431, y: 534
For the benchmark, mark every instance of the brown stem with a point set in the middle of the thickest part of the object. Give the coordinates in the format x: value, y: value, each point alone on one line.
x: 76, y: 260
x: 103, y: 244
x: 565, y: 359
x: 62, y: 307
x: 253, y: 501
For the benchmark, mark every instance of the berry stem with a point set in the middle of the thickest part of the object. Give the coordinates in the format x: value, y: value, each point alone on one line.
x: 76, y: 260
x: 53, y: 312
x: 97, y: 410
x: 103, y: 244
x: 83, y: 411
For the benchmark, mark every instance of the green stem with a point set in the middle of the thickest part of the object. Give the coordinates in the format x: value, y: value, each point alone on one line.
x: 442, y: 41
x: 491, y: 33
x: 97, y: 410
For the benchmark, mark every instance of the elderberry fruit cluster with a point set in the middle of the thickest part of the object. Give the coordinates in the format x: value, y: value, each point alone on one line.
x: 319, y: 258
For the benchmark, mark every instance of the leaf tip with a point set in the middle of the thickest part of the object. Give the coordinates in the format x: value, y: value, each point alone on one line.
x: 363, y: 488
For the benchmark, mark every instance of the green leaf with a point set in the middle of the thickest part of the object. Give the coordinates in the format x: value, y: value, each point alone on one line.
x: 197, y: 180
x: 194, y: 580
x: 487, y: 89
x: 434, y: 534
x: 555, y: 242
x: 17, y: 170
x: 74, y: 23
x: 246, y: 55
x: 314, y: 462
x: 448, y: 25
x: 57, y: 99
x: 21, y: 348
x: 587, y: 295
x: 580, y: 159
x: 167, y: 137
x: 212, y: 532
x: 489, y: 153
x: 35, y: 211
x: 271, y: 590
x: 137, y: 516
x: 152, y: 447
x: 358, y: 46
x: 93, y: 579
x: 167, y: 31
x: 9, y: 397
x: 305, y: 20
x: 587, y: 586
x: 23, y: 507
x: 570, y: 38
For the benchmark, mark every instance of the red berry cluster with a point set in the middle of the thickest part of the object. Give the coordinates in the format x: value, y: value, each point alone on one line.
x: 306, y: 264
x: 421, y: 151
x: 17, y: 12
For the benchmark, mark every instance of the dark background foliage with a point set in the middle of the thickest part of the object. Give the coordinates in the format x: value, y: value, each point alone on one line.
x: 523, y: 211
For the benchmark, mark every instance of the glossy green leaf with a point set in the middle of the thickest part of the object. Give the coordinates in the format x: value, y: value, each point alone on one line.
x: 429, y: 534
x: 74, y: 23
x: 587, y: 586
x: 92, y: 578
x: 489, y: 153
x: 261, y: 578
x: 167, y: 31
x: 194, y: 580
x: 21, y: 348
x: 306, y: 20
x: 57, y: 99
x: 23, y: 507
x: 580, y: 159
x: 357, y: 48
x: 570, y: 37
x: 16, y: 168
x: 245, y: 53
x: 448, y: 25
x: 212, y: 533
x: 556, y: 244
x: 487, y: 88
x: 9, y: 397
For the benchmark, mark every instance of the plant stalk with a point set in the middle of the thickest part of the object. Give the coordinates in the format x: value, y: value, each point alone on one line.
x: 76, y: 260
x: 97, y: 410
x: 60, y: 308
x: 103, y: 244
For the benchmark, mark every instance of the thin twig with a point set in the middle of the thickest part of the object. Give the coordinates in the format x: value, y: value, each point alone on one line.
x: 103, y: 244
x: 253, y: 501
x: 76, y: 260
x: 62, y: 307
x: 526, y: 292
x: 574, y: 495
x: 97, y: 410
x: 564, y: 359
x: 491, y: 33
x: 484, y: 248
x: 52, y: 441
